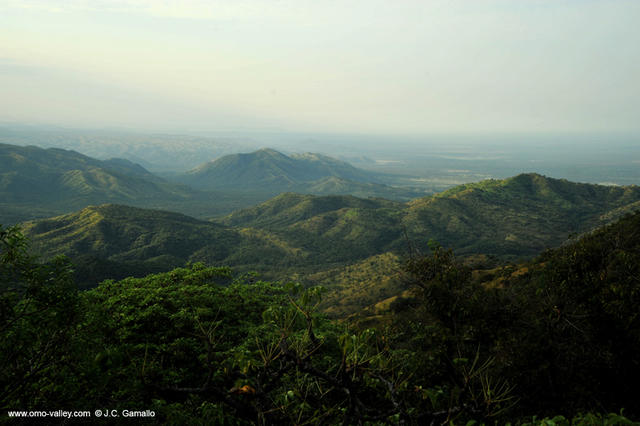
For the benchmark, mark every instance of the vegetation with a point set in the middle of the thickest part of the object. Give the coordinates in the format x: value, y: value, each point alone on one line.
x: 55, y: 180
x: 270, y: 168
x: 558, y: 335
x: 113, y: 241
x: 516, y: 217
x: 36, y: 182
x: 31, y: 173
x: 362, y: 288
x: 38, y: 306
x: 273, y: 172
x: 296, y: 235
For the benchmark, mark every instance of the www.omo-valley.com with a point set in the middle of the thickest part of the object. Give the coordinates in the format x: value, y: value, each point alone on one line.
x: 65, y: 414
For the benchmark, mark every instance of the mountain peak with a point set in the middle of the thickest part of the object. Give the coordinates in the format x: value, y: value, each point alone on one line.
x: 269, y: 151
x: 268, y: 169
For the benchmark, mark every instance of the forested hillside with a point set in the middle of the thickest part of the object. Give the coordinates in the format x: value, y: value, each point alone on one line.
x: 269, y: 168
x: 363, y: 213
x: 517, y: 216
x: 292, y: 234
x: 36, y: 181
x: 115, y: 241
x: 273, y: 172
x: 514, y: 217
x: 556, y: 338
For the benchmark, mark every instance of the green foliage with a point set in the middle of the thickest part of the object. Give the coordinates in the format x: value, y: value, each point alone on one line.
x: 253, y: 352
x: 272, y: 171
x: 563, y: 328
x: 38, y: 309
x: 58, y: 180
x: 446, y: 330
x: 584, y: 323
x: 589, y: 419
x: 515, y: 217
x: 305, y: 234
x: 362, y: 289
x: 36, y: 183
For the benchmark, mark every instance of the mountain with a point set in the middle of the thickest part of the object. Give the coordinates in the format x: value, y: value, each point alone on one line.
x: 156, y: 152
x: 510, y: 218
x: 142, y: 240
x: 268, y: 168
x: 338, y: 186
x: 304, y: 234
x: 115, y: 241
x: 519, y: 216
x: 271, y: 171
x: 37, y: 183
x: 334, y: 229
x: 291, y: 208
x: 56, y: 180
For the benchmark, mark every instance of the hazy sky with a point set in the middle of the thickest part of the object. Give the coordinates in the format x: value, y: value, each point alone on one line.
x: 367, y: 66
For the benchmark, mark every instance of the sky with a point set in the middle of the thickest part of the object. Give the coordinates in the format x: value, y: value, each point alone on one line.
x: 353, y: 66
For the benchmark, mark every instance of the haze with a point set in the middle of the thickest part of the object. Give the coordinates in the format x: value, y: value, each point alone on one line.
x: 376, y: 67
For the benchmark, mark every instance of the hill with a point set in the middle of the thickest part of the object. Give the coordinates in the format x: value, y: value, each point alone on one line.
x: 301, y: 234
x: 269, y: 168
x: 558, y: 335
x: 36, y: 181
x: 117, y: 241
x: 273, y: 172
x: 334, y: 229
x: 141, y: 241
x: 507, y: 219
x: 564, y: 325
x: 156, y: 152
x: 519, y: 216
x: 290, y: 208
x: 514, y: 217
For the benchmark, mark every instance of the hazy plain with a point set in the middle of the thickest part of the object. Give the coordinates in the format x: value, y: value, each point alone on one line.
x: 434, y: 162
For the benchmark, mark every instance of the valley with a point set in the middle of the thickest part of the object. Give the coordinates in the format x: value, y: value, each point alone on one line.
x: 307, y: 213
x: 310, y: 236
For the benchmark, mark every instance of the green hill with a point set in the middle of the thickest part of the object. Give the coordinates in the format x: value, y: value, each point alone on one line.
x: 510, y: 218
x: 340, y: 186
x: 141, y: 240
x: 36, y: 181
x: 117, y: 241
x: 519, y: 216
x: 290, y: 208
x: 293, y: 234
x: 270, y: 171
x: 335, y: 229
x: 268, y: 168
x: 553, y: 341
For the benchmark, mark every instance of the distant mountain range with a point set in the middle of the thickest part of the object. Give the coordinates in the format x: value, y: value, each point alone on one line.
x: 509, y: 219
x: 274, y: 172
x: 155, y: 152
x: 268, y: 168
x: 54, y: 180
x: 519, y: 216
x: 36, y: 182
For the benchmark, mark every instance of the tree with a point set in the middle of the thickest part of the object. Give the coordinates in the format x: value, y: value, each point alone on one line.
x: 38, y: 310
